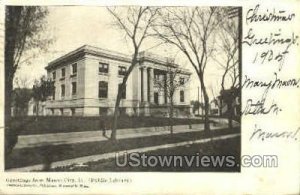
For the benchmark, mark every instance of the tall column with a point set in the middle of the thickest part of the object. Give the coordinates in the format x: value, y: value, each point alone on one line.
x: 151, y: 84
x: 142, y: 85
x: 138, y: 80
x: 145, y: 85
x: 165, y: 89
x: 161, y: 92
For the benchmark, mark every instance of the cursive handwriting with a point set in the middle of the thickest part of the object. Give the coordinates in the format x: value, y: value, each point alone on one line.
x: 256, y: 108
x: 255, y: 15
x: 275, y: 83
x: 258, y: 133
x: 273, y: 38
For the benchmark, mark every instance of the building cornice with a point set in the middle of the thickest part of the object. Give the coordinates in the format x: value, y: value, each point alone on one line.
x: 85, y: 50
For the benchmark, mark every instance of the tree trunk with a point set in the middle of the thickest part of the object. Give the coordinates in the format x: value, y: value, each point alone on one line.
x: 11, y: 136
x: 206, y: 104
x: 230, y: 115
x: 220, y: 107
x: 37, y: 111
x: 8, y: 95
x: 113, y: 136
x: 171, y: 116
x: 134, y: 61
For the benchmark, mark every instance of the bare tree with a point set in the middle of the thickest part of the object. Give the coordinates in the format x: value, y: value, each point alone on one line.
x: 171, y: 82
x: 227, y: 55
x: 135, y: 22
x: 191, y: 30
x: 228, y: 60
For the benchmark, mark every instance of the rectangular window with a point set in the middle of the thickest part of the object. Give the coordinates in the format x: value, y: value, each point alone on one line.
x: 156, y: 97
x: 54, y: 75
x: 122, y: 70
x: 123, y: 91
x: 181, y: 96
x: 103, y: 67
x: 74, y: 68
x: 61, y: 111
x: 53, y: 94
x: 102, y: 89
x: 181, y: 82
x: 63, y: 72
x: 73, y: 111
x: 74, y: 88
x: 62, y: 89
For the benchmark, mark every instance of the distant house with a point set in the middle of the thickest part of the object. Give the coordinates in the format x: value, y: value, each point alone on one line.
x: 219, y: 105
x: 35, y: 109
x: 214, y: 106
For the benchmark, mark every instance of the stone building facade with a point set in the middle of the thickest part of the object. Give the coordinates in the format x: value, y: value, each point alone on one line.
x: 87, y: 79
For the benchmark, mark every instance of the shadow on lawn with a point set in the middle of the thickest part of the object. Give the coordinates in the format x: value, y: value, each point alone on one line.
x: 51, y: 153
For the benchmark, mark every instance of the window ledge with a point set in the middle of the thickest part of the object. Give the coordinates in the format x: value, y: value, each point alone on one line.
x: 103, y: 73
x: 120, y: 75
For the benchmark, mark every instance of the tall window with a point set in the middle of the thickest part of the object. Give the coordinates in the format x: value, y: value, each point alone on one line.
x: 156, y: 97
x: 73, y: 111
x: 53, y: 94
x: 74, y: 88
x: 102, y: 90
x: 103, y: 67
x: 74, y: 68
x: 63, y: 90
x: 123, y: 92
x: 54, y: 75
x: 156, y: 77
x: 63, y: 72
x: 181, y: 81
x: 181, y: 96
x: 122, y: 70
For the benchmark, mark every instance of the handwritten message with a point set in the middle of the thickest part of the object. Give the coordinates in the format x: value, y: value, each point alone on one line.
x: 273, y: 47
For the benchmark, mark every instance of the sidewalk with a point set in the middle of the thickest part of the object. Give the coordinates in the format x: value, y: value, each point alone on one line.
x: 93, y: 158
x: 28, y: 141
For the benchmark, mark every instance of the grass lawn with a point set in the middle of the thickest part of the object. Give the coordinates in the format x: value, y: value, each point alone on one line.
x: 215, y: 148
x: 59, y: 124
x: 31, y: 156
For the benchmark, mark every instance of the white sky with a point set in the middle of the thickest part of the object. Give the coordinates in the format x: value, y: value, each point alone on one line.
x: 74, y: 26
